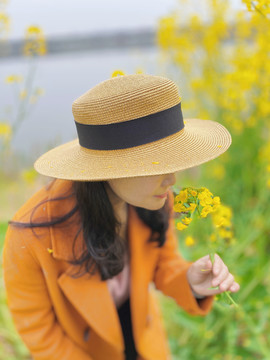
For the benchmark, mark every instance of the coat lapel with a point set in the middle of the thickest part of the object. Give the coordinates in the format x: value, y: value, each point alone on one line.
x: 88, y: 293
x: 91, y: 298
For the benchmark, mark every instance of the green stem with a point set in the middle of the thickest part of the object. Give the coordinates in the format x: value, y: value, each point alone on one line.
x: 197, y: 208
x: 257, y: 9
x: 231, y: 299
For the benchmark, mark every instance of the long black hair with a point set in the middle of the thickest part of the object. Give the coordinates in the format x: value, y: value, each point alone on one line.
x: 104, y: 248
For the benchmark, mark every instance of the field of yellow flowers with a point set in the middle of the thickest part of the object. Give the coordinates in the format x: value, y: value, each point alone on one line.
x: 223, y: 70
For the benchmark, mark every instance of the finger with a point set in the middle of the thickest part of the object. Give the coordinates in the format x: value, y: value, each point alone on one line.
x: 221, y: 276
x: 217, y: 257
x: 207, y: 266
x: 227, y: 283
x: 218, y: 265
x: 203, y: 263
x: 235, y: 287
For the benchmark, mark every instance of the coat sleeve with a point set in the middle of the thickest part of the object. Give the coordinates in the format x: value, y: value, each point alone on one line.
x: 30, y: 306
x: 171, y: 274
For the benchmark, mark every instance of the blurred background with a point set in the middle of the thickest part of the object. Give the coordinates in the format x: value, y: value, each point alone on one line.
x: 218, y: 53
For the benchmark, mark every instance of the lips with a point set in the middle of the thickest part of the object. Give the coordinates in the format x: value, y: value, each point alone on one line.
x: 162, y: 195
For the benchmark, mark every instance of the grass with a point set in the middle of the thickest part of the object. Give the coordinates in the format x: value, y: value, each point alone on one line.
x: 11, y: 346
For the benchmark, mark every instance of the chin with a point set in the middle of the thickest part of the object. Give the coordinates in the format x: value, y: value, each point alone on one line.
x: 155, y: 207
x: 151, y: 207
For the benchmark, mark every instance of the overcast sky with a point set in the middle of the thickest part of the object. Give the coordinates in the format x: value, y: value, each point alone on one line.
x: 63, y: 17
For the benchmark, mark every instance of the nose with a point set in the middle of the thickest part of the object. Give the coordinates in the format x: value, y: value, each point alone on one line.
x: 169, y: 180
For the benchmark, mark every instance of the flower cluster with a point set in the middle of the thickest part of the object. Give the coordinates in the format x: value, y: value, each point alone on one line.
x: 191, y: 200
x: 237, y: 49
x: 35, y: 43
x: 4, y: 24
x: 262, y: 6
x: 222, y: 220
x: 5, y: 131
x: 202, y: 202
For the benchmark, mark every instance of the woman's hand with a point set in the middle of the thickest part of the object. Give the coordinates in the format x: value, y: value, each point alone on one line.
x: 202, y: 275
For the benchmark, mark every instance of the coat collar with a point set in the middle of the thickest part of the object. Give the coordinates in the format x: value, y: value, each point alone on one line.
x: 88, y: 294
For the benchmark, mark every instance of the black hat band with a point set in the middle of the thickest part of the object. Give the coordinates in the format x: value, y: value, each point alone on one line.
x: 131, y: 133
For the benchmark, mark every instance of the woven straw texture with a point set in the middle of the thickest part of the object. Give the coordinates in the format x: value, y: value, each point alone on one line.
x: 125, y: 98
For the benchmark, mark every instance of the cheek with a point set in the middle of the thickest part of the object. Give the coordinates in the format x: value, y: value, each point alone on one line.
x: 138, y: 189
x: 139, y: 192
x: 145, y: 200
x: 143, y: 192
x: 136, y: 196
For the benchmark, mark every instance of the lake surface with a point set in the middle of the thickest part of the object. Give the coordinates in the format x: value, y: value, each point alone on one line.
x: 64, y: 77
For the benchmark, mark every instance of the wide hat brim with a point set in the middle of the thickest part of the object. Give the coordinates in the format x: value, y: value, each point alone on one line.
x: 199, y: 142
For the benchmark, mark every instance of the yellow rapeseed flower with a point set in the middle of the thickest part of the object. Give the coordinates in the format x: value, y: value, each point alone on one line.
x: 5, y: 131
x: 189, y: 241
x: 10, y: 79
x: 213, y: 237
x: 225, y: 234
x: 205, y: 197
x: 23, y: 94
x: 4, y: 21
x: 207, y: 191
x: 187, y: 220
x: 33, y: 30
x: 139, y: 71
x: 183, y: 195
x: 206, y: 210
x: 117, y: 72
x: 191, y: 207
x: 202, y: 195
x: 222, y: 216
x: 218, y: 220
x: 180, y: 226
x: 261, y: 6
x: 29, y: 175
x: 179, y: 208
x: 39, y: 91
x: 207, y: 200
x: 35, y: 43
x: 226, y: 211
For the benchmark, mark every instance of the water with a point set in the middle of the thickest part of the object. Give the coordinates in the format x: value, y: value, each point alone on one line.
x: 64, y: 77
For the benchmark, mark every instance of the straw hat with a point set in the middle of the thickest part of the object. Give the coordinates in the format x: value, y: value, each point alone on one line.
x: 132, y: 125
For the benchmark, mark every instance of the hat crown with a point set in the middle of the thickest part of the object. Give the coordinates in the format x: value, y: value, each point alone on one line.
x: 124, y: 98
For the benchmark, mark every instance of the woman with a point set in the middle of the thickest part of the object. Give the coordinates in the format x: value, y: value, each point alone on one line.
x: 81, y: 256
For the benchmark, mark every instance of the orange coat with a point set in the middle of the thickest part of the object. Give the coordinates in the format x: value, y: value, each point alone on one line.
x: 62, y: 318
